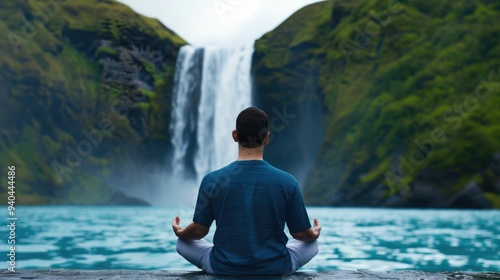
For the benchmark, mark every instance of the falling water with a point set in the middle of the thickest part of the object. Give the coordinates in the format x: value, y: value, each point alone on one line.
x: 212, y: 86
x: 184, y: 118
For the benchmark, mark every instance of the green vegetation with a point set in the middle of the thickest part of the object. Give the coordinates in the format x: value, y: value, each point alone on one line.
x: 83, y: 65
x: 396, y: 80
x: 494, y: 198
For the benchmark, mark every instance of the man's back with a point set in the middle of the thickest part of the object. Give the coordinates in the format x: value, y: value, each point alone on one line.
x: 251, y: 201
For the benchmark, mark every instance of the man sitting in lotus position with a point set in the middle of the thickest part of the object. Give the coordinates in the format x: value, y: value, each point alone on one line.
x: 250, y: 201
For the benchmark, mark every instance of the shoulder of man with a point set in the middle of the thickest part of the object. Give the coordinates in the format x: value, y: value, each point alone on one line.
x: 289, y: 178
x: 222, y: 173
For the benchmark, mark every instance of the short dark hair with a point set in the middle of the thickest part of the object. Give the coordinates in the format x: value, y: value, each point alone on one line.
x: 252, y: 126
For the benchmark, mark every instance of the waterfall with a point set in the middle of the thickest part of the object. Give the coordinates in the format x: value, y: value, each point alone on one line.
x: 186, y: 90
x: 211, y: 86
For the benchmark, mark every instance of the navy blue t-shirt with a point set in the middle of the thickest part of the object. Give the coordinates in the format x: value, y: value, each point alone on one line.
x: 251, y: 201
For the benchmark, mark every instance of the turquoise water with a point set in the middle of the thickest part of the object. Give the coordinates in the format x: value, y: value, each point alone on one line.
x: 374, y: 239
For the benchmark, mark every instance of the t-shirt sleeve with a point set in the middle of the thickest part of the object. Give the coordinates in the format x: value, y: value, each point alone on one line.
x: 203, y: 213
x: 297, y: 219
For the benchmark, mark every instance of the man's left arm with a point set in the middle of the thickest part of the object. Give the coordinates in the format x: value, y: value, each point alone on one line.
x: 192, y: 231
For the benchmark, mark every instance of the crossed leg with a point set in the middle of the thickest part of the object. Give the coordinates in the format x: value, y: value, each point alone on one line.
x: 301, y: 252
x: 197, y: 252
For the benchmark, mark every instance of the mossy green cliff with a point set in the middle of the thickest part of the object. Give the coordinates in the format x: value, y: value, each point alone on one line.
x: 407, y: 95
x: 86, y: 87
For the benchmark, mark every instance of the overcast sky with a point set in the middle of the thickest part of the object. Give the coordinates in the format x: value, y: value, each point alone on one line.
x: 219, y: 22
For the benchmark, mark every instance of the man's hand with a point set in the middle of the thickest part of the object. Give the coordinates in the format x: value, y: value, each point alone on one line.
x: 317, y: 228
x: 178, y: 229
x: 310, y: 234
x: 192, y: 231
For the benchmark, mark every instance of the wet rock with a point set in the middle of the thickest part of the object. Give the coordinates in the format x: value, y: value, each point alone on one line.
x: 424, y: 194
x: 471, y: 196
x: 495, y: 165
x: 120, y: 198
x: 180, y: 275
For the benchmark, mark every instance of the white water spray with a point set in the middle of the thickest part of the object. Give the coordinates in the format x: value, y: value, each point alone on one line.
x: 212, y: 86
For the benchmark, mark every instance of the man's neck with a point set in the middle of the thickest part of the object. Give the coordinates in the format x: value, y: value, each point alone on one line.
x: 251, y: 154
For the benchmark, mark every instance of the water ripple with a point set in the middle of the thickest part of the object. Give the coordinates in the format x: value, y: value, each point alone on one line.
x: 374, y: 239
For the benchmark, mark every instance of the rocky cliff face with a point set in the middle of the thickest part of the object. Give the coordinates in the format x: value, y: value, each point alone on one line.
x: 400, y: 100
x: 86, y: 87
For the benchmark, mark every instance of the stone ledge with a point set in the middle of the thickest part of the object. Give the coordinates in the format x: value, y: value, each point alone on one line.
x: 180, y: 275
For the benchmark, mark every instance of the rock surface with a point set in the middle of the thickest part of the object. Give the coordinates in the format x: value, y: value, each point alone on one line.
x: 165, y: 274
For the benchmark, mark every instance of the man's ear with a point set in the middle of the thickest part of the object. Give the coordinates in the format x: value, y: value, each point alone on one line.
x: 266, y: 139
x: 235, y: 136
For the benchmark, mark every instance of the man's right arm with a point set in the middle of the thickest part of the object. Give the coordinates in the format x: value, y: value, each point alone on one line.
x: 310, y: 234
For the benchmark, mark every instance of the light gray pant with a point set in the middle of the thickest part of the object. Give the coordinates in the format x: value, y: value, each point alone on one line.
x: 197, y: 252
